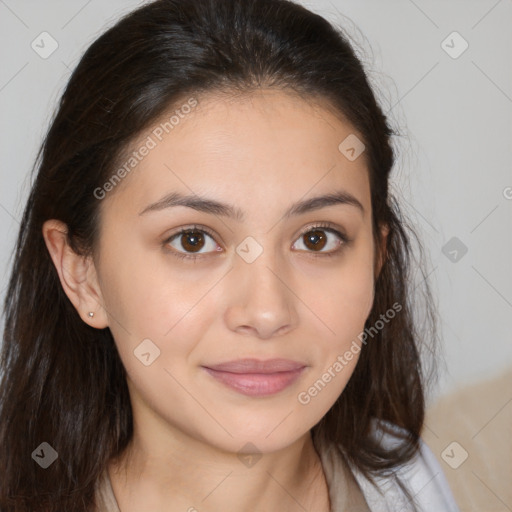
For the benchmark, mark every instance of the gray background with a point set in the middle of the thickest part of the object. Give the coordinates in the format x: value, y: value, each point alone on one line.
x: 454, y: 168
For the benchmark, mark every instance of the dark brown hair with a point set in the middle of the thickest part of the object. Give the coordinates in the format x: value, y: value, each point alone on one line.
x: 63, y: 381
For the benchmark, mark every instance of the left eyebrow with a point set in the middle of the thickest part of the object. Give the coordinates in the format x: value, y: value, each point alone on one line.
x: 214, y: 207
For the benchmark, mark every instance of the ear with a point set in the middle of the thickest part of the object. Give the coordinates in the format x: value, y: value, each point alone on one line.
x: 382, y: 250
x: 77, y: 275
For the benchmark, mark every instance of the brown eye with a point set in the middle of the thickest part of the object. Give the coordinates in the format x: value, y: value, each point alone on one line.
x: 192, y: 240
x: 315, y: 239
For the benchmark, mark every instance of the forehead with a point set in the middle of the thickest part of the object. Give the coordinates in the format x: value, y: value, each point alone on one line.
x: 252, y: 149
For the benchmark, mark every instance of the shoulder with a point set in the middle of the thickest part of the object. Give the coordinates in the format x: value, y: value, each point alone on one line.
x: 422, y: 476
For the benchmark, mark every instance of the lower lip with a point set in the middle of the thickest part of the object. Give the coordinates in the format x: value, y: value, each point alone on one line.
x: 256, y: 384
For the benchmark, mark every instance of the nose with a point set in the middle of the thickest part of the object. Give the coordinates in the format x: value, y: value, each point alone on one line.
x: 262, y: 302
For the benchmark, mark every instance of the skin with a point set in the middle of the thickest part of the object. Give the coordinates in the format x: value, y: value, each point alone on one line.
x: 261, y: 153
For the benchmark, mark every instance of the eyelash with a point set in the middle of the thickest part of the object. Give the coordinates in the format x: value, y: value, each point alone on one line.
x: 325, y: 226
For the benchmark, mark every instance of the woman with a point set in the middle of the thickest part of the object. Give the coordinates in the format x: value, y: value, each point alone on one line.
x: 210, y: 305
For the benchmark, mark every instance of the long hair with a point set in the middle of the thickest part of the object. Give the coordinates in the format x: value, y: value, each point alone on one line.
x: 62, y: 381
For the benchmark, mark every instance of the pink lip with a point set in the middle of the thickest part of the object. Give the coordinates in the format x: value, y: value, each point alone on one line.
x: 251, y: 365
x: 257, y: 378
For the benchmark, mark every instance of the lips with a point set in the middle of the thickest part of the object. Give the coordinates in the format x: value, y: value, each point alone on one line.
x: 257, y: 366
x: 256, y: 378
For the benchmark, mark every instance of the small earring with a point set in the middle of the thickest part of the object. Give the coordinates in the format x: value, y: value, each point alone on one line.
x: 91, y: 314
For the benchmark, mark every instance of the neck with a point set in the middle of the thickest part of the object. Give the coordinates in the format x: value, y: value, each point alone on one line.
x: 192, y: 475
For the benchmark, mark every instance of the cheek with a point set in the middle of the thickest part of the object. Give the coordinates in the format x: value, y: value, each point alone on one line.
x: 144, y: 296
x: 343, y: 307
x: 345, y: 300
x: 158, y: 302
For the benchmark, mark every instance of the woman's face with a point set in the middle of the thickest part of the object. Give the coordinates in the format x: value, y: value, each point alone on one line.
x: 266, y: 284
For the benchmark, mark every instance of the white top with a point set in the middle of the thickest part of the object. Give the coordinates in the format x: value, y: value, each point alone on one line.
x: 426, y: 481
x: 422, y: 475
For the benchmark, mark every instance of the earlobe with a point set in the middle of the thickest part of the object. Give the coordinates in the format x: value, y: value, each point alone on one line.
x: 77, y: 275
